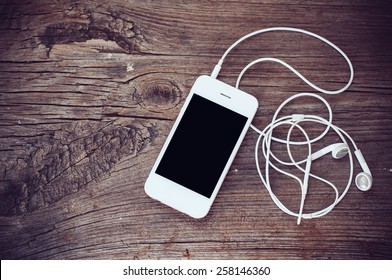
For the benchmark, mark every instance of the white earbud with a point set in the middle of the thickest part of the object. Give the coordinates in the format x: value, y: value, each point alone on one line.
x: 363, y: 180
x: 338, y: 150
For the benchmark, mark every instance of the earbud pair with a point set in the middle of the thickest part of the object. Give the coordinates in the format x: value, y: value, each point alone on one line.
x: 364, y: 179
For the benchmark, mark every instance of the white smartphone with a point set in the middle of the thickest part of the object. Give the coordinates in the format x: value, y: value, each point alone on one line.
x: 201, y: 146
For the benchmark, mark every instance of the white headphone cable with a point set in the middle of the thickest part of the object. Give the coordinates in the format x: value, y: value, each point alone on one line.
x: 294, y: 122
x: 217, y: 67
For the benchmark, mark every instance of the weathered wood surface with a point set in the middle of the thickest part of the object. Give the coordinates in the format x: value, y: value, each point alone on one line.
x: 90, y: 89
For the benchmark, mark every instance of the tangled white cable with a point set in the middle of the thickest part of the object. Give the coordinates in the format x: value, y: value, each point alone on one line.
x: 340, y: 149
x: 363, y: 180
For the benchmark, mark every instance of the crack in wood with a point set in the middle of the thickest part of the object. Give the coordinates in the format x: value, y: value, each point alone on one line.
x: 65, y: 161
x: 84, y: 25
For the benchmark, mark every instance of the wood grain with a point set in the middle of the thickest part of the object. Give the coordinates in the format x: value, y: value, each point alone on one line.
x: 89, y: 91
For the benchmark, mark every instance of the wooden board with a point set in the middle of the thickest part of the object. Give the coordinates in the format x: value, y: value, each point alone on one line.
x: 89, y: 91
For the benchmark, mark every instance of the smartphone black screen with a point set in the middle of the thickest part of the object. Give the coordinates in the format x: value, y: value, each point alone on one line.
x: 201, y: 145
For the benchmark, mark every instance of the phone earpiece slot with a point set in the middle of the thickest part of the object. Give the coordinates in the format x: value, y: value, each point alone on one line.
x: 225, y: 95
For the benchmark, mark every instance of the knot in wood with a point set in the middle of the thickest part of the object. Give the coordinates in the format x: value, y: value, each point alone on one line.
x: 158, y: 95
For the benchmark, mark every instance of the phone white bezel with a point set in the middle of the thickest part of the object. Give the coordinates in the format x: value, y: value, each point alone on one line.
x: 186, y: 200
